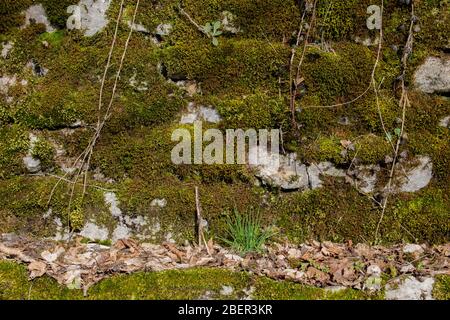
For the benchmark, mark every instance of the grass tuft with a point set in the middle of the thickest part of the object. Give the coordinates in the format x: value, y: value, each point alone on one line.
x: 245, y: 233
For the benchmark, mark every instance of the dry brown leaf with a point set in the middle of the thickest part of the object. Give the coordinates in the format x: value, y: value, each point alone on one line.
x: 37, y: 269
x: 317, y: 275
x: 179, y: 254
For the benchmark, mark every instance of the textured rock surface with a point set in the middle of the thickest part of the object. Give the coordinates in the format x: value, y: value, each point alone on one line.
x: 433, y: 75
x: 194, y: 113
x: 243, y: 82
x: 279, y: 171
x: 417, y: 177
x: 6, y: 49
x: 89, y: 16
x: 94, y: 232
x: 444, y: 122
x: 37, y: 14
x: 410, y: 289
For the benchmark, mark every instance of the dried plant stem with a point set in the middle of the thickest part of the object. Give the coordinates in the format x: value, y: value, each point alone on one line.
x: 84, y: 159
x: 199, y: 28
x: 200, y: 226
x: 294, y: 83
x: 375, y: 66
x: 199, y: 216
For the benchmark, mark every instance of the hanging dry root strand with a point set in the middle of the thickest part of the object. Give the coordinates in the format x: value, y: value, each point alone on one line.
x: 404, y: 103
x: 294, y: 83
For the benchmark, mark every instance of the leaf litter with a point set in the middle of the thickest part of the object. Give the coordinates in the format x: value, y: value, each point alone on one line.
x: 79, y: 265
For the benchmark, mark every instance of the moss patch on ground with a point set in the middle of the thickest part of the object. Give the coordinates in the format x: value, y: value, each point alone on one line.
x: 441, y: 290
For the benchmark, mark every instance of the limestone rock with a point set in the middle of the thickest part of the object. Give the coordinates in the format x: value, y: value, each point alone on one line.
x: 412, y: 249
x: 410, y: 289
x: 323, y: 168
x: 94, y: 232
x: 6, y: 49
x: 433, y: 76
x: 113, y: 204
x: 89, y: 16
x: 194, y: 113
x: 120, y: 232
x: 163, y: 29
x: 32, y: 165
x: 418, y: 177
x: 444, y: 122
x: 365, y: 178
x: 37, y: 14
x: 278, y: 170
x: 228, y: 22
x: 160, y: 203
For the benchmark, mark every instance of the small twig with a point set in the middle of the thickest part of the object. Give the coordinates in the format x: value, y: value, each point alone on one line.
x: 199, y: 216
x: 291, y: 63
x: 184, y: 13
x: 201, y: 235
x: 29, y: 290
x: 404, y: 103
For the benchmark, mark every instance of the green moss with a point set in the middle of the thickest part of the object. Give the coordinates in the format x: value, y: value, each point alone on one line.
x: 339, y: 76
x: 53, y: 107
x: 340, y: 19
x: 13, y: 145
x: 24, y: 200
x: 57, y: 11
x: 339, y: 213
x: 236, y: 67
x: 14, y: 285
x: 371, y: 149
x: 53, y: 38
x: 336, y: 213
x: 329, y: 149
x: 43, y: 150
x: 256, y: 19
x: 366, y: 113
x: 424, y: 216
x: 267, y: 289
x: 441, y: 290
x: 136, y: 196
x: 255, y: 111
x: 77, y: 218
x: 11, y: 13
x: 435, y: 23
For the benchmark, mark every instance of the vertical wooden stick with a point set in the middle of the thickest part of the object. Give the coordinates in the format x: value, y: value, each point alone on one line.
x: 199, y: 216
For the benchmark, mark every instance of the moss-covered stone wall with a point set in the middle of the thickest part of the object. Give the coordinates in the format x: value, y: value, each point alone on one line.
x: 246, y: 78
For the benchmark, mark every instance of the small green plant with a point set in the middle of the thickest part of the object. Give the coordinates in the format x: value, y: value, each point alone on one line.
x: 397, y: 133
x: 245, y: 233
x: 212, y: 30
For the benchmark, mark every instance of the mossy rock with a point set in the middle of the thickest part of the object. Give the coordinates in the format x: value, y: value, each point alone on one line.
x: 371, y: 149
x: 256, y: 111
x: 234, y: 67
x: 14, y: 143
x: 339, y: 75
